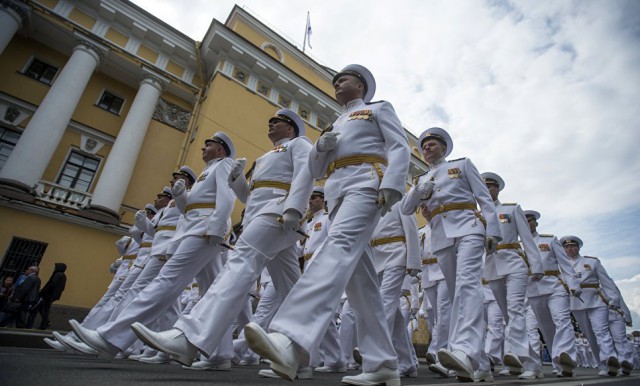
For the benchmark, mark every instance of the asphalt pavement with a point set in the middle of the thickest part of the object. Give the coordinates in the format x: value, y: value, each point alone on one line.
x: 46, y: 367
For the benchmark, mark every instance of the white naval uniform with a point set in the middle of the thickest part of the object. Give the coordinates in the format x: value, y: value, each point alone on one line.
x: 112, y: 309
x: 494, y: 340
x: 507, y: 271
x: 103, y: 313
x: 436, y: 292
x: 266, y: 308
x: 396, y: 249
x: 316, y: 227
x: 329, y: 352
x: 457, y: 241
x: 165, y: 220
x: 347, y: 333
x: 549, y: 299
x: 162, y: 230
x: 344, y: 263
x: 618, y: 320
x: 128, y: 252
x: 263, y: 242
x: 592, y: 314
x: 534, y: 338
x: 194, y: 257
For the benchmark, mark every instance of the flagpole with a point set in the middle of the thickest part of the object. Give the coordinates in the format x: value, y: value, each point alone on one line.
x: 306, y: 28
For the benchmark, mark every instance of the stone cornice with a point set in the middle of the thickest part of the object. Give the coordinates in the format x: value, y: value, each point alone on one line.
x: 20, y: 9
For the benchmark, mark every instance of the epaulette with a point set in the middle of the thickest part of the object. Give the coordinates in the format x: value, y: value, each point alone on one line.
x: 510, y: 203
x: 374, y: 102
x: 457, y: 159
x: 591, y: 257
x: 546, y: 235
x: 416, y: 178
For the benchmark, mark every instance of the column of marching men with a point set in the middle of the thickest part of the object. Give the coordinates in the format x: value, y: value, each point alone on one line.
x: 335, y: 274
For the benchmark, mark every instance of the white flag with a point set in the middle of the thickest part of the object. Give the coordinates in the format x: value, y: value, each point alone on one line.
x: 307, y: 34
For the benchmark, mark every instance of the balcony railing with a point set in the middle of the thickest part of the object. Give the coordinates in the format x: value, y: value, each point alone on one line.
x: 60, y: 195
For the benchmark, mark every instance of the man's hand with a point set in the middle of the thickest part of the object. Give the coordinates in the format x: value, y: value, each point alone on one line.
x: 387, y: 198
x: 141, y: 215
x: 413, y: 272
x: 237, y: 168
x: 425, y: 188
x: 490, y: 245
x: 178, y: 188
x: 291, y: 220
x: 213, y: 240
x: 327, y: 141
x: 576, y: 292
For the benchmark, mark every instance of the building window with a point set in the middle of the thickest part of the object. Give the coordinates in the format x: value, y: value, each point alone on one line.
x: 41, y: 71
x: 21, y: 254
x: 8, y: 140
x: 110, y: 102
x: 78, y: 171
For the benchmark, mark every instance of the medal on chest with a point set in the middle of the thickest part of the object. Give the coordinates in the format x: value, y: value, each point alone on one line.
x: 361, y: 115
x: 202, y: 176
x: 454, y: 173
x: 504, y: 218
x: 280, y: 149
x: 544, y: 247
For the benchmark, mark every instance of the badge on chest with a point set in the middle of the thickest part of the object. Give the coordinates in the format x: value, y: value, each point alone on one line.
x: 361, y: 114
x: 544, y: 247
x: 504, y: 218
x: 454, y: 173
x: 203, y: 176
x: 279, y: 149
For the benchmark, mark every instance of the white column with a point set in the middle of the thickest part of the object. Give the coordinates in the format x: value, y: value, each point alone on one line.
x: 115, y: 177
x: 12, y: 18
x: 41, y: 137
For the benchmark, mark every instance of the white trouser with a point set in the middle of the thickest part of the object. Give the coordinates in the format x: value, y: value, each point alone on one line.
x: 150, y: 270
x: 267, y: 307
x: 495, y: 332
x: 405, y: 311
x: 90, y: 321
x: 440, y: 300
x: 108, y: 309
x: 591, y: 359
x: 391, y: 280
x: 594, y: 323
x: 342, y: 264
x: 554, y: 320
x: 243, y: 317
x: 347, y: 333
x: 535, y: 362
x: 461, y: 266
x: 263, y: 242
x: 329, y: 352
x: 509, y: 291
x: 581, y: 358
x: 195, y: 257
x: 618, y: 330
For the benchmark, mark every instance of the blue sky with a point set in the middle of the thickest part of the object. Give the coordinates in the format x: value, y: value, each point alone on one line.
x: 544, y: 93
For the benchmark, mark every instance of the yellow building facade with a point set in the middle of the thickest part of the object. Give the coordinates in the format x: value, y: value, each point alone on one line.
x: 100, y: 102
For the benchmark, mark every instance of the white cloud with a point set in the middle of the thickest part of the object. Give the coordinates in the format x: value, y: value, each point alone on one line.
x: 630, y: 289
